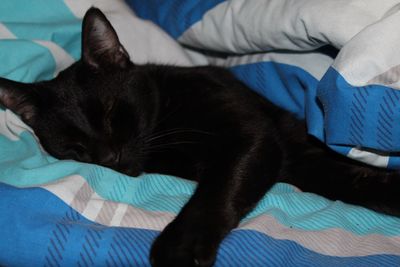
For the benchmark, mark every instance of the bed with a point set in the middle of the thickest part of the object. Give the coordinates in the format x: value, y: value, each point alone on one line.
x: 334, y: 63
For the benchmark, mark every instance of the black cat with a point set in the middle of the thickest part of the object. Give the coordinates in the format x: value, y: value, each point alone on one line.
x: 197, y: 123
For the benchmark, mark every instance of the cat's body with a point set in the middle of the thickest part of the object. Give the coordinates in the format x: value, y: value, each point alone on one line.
x: 196, y: 123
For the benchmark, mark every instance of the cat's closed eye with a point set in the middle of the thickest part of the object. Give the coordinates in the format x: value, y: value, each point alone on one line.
x: 76, y: 151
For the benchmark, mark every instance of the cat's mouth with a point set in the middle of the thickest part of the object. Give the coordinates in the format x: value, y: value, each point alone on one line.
x: 127, y: 169
x: 116, y: 160
x: 131, y: 172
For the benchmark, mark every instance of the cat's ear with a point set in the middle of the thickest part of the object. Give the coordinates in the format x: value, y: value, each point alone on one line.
x: 100, y: 44
x: 18, y: 97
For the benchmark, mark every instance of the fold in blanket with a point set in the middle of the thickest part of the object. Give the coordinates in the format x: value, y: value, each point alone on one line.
x: 352, y: 105
x: 65, y: 213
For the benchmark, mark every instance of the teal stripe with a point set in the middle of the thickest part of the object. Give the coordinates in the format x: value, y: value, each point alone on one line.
x: 25, y: 61
x: 23, y: 164
x: 311, y: 212
x: 49, y: 20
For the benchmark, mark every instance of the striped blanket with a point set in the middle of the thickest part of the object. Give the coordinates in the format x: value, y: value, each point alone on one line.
x: 66, y: 213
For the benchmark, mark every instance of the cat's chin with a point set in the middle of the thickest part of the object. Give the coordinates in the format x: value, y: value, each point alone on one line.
x: 130, y: 171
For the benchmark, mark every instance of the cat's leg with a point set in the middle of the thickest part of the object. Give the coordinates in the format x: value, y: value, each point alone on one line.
x: 227, y: 191
x: 351, y: 182
x: 378, y: 190
x: 378, y: 193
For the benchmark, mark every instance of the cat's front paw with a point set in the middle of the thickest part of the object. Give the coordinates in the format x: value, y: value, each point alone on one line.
x: 184, y: 247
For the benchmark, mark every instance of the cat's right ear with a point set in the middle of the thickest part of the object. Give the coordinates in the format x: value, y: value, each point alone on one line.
x: 101, y: 47
x: 18, y: 97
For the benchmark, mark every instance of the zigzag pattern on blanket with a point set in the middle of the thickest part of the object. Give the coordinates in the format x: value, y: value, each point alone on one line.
x: 69, y: 238
x: 64, y: 213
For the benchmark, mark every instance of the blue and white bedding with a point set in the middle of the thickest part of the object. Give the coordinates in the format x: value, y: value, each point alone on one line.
x: 343, y: 51
x: 65, y: 213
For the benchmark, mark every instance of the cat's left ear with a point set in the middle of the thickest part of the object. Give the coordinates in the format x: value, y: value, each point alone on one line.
x: 19, y: 98
x: 101, y: 47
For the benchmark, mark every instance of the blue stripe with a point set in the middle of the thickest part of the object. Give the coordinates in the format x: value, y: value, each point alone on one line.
x: 153, y: 192
x: 374, y: 130
x: 289, y: 87
x: 30, y: 215
x: 284, y: 85
x: 28, y: 220
x: 266, y: 251
x: 174, y: 16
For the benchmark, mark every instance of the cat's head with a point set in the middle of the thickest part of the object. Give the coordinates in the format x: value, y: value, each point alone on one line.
x: 96, y: 110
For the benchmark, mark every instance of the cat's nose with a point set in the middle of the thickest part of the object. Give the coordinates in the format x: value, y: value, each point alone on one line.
x: 111, y: 158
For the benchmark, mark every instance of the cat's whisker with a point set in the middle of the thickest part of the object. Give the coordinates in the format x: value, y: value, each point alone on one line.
x: 169, y: 144
x: 172, y: 132
x: 173, y: 129
x: 162, y: 132
x: 166, y: 116
x: 157, y: 133
x: 149, y: 140
x: 173, y: 143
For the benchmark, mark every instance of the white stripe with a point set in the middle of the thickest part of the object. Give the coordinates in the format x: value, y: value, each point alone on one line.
x: 141, y: 38
x: 369, y: 157
x: 330, y: 241
x: 124, y: 215
x: 152, y: 220
x: 119, y: 214
x: 5, y: 32
x: 314, y: 63
x: 371, y: 53
x: 106, y: 212
x: 93, y: 207
x: 11, y: 126
x: 241, y: 26
x: 78, y: 8
x: 61, y: 57
x: 66, y: 188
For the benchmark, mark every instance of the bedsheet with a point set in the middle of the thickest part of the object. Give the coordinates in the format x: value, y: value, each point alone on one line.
x: 66, y: 213
x: 333, y: 62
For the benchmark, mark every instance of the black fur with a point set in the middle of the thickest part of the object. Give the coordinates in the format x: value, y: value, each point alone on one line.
x: 197, y: 123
